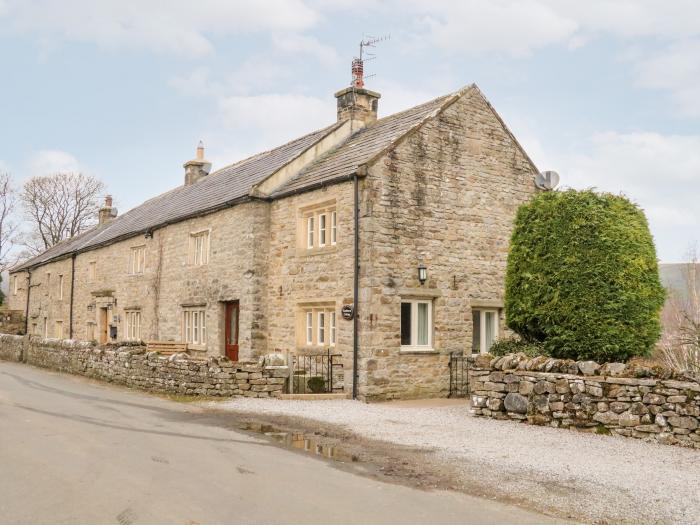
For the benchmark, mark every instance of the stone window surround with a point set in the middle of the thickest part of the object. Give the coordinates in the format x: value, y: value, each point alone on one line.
x: 58, y: 328
x: 199, y: 257
x: 309, y: 227
x: 314, y: 311
x: 137, y: 259
x: 188, y: 318
x: 132, y: 324
x: 490, y: 305
x: 92, y: 271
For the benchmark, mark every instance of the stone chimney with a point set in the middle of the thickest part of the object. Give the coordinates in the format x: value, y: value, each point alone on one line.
x: 107, y: 211
x: 355, y: 102
x: 197, y: 168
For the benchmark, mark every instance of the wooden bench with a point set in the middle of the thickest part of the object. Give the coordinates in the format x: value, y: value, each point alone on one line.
x: 166, y: 347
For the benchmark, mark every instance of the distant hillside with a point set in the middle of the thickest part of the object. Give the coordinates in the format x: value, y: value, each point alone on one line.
x: 674, y: 277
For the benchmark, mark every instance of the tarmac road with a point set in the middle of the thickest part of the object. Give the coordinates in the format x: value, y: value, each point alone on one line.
x: 75, y: 451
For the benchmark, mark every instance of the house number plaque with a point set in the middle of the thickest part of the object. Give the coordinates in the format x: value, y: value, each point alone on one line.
x: 347, y: 312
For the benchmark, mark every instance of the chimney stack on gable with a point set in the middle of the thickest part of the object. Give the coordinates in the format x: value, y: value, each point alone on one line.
x: 355, y: 102
x: 107, y: 212
x: 197, y: 168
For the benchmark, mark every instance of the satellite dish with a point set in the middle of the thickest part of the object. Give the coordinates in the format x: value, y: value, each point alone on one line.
x: 547, y: 180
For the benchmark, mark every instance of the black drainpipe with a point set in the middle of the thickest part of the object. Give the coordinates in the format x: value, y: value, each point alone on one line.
x: 72, y: 288
x: 26, y: 308
x: 356, y: 286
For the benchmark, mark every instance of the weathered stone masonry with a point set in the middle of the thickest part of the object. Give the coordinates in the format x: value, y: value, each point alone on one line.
x: 584, y: 395
x: 134, y: 367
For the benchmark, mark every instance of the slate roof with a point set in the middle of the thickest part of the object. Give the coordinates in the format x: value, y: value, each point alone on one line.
x: 233, y: 183
x: 220, y: 188
x: 361, y: 147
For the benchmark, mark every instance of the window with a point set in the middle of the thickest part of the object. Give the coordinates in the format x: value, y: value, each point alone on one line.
x: 14, y: 285
x: 334, y: 228
x: 310, y: 232
x: 417, y: 325
x: 199, y: 248
x: 48, y: 286
x: 194, y: 326
x: 309, y: 328
x: 92, y: 271
x: 484, y: 330
x: 46, y: 328
x: 319, y: 326
x: 60, y: 287
x: 137, y: 260
x: 35, y: 329
x: 322, y: 230
x: 321, y: 339
x: 332, y: 327
x: 59, y: 330
x: 318, y: 228
x: 133, y: 325
x: 90, y: 331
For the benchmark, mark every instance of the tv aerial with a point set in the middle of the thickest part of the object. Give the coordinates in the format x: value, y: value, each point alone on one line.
x: 547, y: 180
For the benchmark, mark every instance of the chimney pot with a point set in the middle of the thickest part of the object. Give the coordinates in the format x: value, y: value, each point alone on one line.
x: 197, y: 168
x: 355, y: 103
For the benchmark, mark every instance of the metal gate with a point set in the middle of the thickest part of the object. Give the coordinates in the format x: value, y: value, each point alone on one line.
x: 459, y: 375
x: 317, y: 373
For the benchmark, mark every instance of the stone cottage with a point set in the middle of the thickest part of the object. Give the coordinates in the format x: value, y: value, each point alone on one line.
x: 384, y: 240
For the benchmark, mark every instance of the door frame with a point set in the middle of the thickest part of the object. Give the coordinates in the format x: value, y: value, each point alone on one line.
x: 232, y: 350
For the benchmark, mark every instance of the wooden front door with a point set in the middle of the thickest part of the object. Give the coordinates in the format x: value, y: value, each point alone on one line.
x: 231, y: 319
x: 104, y: 325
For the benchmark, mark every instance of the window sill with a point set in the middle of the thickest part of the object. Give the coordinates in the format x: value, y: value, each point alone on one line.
x: 308, y: 252
x: 417, y: 350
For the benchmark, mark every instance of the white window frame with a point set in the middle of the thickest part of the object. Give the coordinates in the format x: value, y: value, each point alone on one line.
x: 321, y: 328
x: 133, y: 325
x: 137, y: 260
x: 309, y: 327
x: 332, y: 329
x: 414, y: 346
x: 194, y: 326
x: 334, y: 228
x: 322, y: 230
x: 310, y: 232
x: 199, y: 247
x: 482, y: 328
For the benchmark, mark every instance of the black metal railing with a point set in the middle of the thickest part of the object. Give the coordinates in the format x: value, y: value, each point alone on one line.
x: 459, y: 375
x: 317, y: 373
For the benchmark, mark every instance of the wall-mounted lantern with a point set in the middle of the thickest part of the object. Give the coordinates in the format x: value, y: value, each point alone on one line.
x: 422, y: 273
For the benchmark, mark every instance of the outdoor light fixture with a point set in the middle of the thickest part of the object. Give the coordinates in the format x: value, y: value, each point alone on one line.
x: 422, y: 273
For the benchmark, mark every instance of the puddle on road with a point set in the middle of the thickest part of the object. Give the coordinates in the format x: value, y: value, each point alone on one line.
x: 302, y: 442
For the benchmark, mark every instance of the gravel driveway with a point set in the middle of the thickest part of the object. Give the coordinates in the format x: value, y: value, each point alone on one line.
x: 601, y: 478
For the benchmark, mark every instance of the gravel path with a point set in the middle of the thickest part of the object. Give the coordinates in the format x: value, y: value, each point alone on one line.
x: 603, y: 478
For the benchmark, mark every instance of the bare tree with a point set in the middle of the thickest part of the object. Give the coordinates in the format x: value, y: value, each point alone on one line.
x: 8, y: 228
x: 680, y: 343
x: 58, y: 207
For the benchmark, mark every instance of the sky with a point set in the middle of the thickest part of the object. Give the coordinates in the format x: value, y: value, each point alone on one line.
x: 606, y: 93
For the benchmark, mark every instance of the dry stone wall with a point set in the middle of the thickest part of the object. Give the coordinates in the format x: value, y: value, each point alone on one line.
x: 562, y: 393
x: 134, y: 367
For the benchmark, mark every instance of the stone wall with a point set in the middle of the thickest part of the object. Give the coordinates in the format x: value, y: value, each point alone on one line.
x: 610, y: 399
x: 445, y: 196
x: 11, y: 321
x: 134, y: 367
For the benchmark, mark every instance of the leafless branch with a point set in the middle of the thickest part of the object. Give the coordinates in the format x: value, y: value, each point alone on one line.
x: 58, y: 207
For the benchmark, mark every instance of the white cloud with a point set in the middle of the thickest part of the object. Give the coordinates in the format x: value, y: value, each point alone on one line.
x: 47, y: 162
x: 180, y: 26
x: 676, y: 69
x: 659, y: 172
x: 298, y: 44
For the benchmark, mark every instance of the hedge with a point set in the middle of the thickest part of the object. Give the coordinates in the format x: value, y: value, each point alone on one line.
x: 583, y: 278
